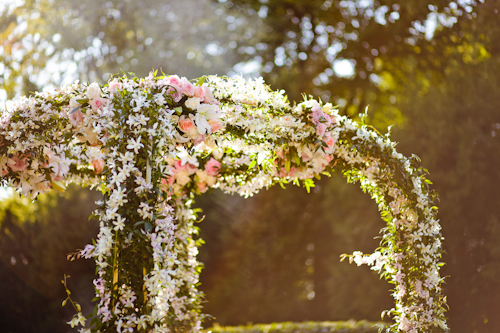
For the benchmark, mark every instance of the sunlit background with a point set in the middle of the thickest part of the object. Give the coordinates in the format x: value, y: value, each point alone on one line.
x: 429, y: 68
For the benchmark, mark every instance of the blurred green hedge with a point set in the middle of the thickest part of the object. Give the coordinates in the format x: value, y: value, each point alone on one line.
x: 349, y: 326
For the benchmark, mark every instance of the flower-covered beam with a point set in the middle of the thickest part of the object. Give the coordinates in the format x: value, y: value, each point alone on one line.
x: 150, y: 145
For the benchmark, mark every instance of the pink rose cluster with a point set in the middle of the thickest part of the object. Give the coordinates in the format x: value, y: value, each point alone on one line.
x: 36, y: 181
x: 95, y: 101
x: 205, y: 116
x: 16, y: 163
x: 114, y: 86
x: 315, y: 159
x: 182, y: 86
x: 322, y: 122
x: 187, y: 125
x: 183, y: 174
x: 292, y: 173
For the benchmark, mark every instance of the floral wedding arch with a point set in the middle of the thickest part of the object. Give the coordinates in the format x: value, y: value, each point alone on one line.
x: 150, y: 145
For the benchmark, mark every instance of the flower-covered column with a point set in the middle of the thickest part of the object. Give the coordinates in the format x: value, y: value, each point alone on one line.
x: 146, y: 251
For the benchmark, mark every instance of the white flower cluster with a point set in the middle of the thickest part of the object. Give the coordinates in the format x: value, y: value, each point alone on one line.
x: 155, y: 142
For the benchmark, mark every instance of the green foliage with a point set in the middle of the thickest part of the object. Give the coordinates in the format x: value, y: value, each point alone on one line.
x: 48, y: 42
x: 305, y: 40
x: 350, y: 326
x: 35, y: 240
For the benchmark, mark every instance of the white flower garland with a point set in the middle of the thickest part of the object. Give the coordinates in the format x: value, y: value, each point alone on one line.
x: 151, y: 144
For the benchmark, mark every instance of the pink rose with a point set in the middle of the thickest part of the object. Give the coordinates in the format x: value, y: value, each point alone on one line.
x: 212, y: 167
x: 215, y: 125
x: 319, y: 117
x: 315, y: 117
x: 56, y: 178
x: 169, y: 181
x: 328, y: 158
x: 317, y: 108
x: 290, y: 173
x: 17, y: 163
x: 191, y: 168
x: 329, y: 141
x: 199, y: 139
x: 321, y: 129
x: 175, y: 92
x: 200, y: 93
x: 114, y: 86
x: 76, y: 117
x: 209, y: 98
x: 97, y: 103
x: 98, y: 165
x: 178, y: 166
x: 185, y: 124
x: 174, y: 80
x: 202, y: 187
x: 187, y: 87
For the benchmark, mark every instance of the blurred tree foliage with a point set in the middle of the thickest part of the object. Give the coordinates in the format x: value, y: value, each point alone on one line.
x: 306, y: 41
x: 432, y: 68
x: 34, y: 241
x: 275, y: 256
x: 453, y: 121
x: 45, y: 42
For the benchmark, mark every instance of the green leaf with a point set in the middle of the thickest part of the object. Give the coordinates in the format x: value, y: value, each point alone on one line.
x: 138, y: 223
x: 252, y: 164
x: 148, y: 227
x: 308, y: 183
x: 75, y: 109
x: 201, y: 80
